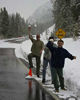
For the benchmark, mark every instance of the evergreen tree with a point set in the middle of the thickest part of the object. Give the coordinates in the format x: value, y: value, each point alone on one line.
x: 4, y: 22
x: 75, y: 8
x: 17, y: 24
x: 12, y: 25
x: 66, y: 15
x: 0, y: 21
x: 23, y: 27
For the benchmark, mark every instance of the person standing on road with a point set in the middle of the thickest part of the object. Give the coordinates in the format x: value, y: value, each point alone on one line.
x: 46, y: 60
x: 36, y: 51
x: 57, y: 61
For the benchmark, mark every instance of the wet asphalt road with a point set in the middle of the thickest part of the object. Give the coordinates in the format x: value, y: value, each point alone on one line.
x: 13, y: 85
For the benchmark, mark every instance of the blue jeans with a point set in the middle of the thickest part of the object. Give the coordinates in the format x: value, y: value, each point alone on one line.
x: 45, y: 64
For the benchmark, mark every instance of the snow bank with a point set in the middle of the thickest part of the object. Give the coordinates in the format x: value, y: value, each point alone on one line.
x: 45, y: 35
x: 17, y: 47
x: 72, y: 68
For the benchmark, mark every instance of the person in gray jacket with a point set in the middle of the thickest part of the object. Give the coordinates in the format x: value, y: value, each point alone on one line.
x: 46, y: 60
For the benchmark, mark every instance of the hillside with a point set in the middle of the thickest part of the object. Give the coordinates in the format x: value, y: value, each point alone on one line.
x: 43, y: 14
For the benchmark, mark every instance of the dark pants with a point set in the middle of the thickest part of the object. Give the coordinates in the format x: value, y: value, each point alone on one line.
x: 30, y: 56
x: 58, y: 78
x: 45, y: 64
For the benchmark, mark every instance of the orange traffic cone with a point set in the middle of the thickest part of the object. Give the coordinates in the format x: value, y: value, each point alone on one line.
x: 30, y: 72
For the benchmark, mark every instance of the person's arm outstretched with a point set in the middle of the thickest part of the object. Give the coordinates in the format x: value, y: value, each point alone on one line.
x: 68, y: 55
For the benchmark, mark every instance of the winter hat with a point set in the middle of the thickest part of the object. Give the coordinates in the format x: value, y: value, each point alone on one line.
x: 51, y: 38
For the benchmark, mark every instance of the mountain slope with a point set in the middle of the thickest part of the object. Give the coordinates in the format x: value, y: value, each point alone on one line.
x: 43, y: 14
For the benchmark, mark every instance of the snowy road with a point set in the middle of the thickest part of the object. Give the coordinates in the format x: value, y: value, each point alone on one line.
x: 13, y: 85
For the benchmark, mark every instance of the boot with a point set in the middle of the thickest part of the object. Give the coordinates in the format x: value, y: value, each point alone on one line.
x: 43, y: 81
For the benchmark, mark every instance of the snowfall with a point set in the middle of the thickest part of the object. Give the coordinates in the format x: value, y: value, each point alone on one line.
x: 71, y: 68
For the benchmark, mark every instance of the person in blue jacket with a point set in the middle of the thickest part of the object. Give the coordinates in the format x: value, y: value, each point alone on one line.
x: 57, y: 61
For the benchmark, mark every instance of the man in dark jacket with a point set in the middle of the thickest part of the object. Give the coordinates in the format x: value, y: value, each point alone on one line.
x: 58, y: 59
x: 36, y: 51
x: 46, y: 60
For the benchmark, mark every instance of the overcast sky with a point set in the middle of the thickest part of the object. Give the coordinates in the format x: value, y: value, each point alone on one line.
x: 24, y: 7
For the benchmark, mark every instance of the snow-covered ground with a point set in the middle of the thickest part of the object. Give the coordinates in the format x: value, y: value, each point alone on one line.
x: 71, y: 69
x: 17, y: 47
